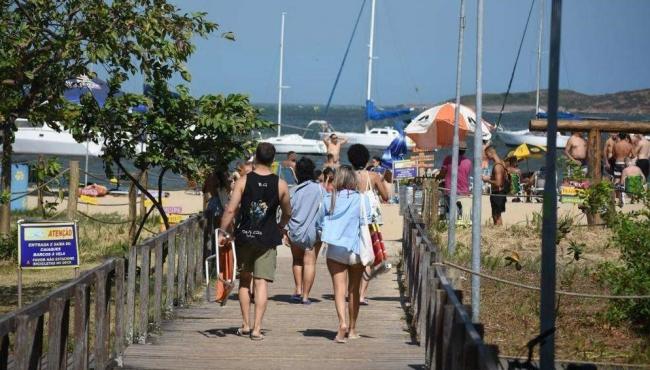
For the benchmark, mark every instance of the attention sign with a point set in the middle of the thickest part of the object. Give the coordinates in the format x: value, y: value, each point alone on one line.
x: 406, y: 169
x: 48, y: 245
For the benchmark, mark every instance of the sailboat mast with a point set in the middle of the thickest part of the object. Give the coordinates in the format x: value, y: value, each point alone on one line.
x: 540, y: 39
x: 280, y: 86
x: 370, y: 48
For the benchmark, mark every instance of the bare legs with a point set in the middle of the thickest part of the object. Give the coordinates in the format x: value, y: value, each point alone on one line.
x: 354, y: 276
x: 297, y: 267
x: 244, y: 293
x: 340, y: 274
x: 365, y: 280
x: 309, y: 270
x: 304, y: 269
x: 261, y: 285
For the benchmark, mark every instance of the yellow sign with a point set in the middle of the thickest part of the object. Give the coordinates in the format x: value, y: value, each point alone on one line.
x: 87, y: 199
x: 174, y: 219
x: 148, y: 203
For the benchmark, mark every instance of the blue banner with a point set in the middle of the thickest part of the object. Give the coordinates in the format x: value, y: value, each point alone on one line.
x: 47, y: 245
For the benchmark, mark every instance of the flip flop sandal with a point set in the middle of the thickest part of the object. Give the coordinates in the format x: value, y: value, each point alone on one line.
x: 307, y: 302
x: 257, y: 337
x: 296, y: 298
x: 355, y: 336
x: 242, y: 333
x: 363, y: 302
x: 340, y: 340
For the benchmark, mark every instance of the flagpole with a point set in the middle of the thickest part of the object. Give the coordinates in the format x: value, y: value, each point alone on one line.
x: 478, y: 181
x: 453, y: 193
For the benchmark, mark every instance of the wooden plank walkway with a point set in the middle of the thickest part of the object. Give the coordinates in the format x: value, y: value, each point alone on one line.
x: 297, y: 336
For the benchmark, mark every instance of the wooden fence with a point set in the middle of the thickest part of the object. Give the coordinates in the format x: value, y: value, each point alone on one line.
x: 108, y: 307
x: 440, y: 320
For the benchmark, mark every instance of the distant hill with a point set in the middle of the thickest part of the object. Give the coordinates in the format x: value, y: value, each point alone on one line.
x: 627, y: 102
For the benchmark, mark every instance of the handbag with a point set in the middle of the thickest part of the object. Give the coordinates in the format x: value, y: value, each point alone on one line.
x: 366, y: 252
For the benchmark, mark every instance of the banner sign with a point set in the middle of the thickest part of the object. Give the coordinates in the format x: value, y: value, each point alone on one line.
x: 173, y: 209
x: 47, y: 245
x: 405, y: 169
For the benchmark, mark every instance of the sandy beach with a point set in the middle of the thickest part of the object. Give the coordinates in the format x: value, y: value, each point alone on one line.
x: 190, y: 202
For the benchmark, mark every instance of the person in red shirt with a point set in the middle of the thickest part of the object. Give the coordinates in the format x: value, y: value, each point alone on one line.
x: 464, y: 170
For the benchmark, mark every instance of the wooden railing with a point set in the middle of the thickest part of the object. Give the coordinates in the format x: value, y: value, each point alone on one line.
x: 108, y: 307
x: 440, y: 320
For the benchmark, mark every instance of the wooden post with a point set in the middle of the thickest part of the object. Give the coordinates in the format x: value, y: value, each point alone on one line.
x: 73, y: 186
x: 182, y: 264
x: 119, y: 307
x: 595, y: 154
x: 447, y: 332
x: 102, y: 317
x: 144, y: 180
x: 171, y: 270
x: 59, y: 322
x: 133, y: 210
x: 81, y: 320
x: 130, y: 294
x: 29, y: 342
x: 144, y: 293
x: 158, y: 281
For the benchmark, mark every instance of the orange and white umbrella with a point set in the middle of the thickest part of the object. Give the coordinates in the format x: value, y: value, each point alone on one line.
x: 434, y: 128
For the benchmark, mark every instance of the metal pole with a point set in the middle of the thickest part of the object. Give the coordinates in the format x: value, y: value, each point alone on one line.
x: 371, y: 43
x: 86, y: 165
x: 20, y: 285
x: 478, y: 181
x: 280, y: 86
x: 540, y: 38
x: 451, y: 234
x: 549, y: 221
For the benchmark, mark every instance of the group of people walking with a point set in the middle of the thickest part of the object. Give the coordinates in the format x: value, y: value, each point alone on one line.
x: 314, y: 215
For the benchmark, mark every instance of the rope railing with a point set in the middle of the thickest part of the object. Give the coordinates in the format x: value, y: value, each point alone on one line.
x: 535, y: 288
x: 40, y: 187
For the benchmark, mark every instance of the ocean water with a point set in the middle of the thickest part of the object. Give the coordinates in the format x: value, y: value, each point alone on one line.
x: 344, y: 118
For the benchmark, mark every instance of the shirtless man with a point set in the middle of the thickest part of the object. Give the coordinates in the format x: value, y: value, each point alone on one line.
x: 642, y: 153
x: 622, y: 150
x: 608, y: 152
x: 635, y: 186
x: 291, y: 160
x: 576, y: 149
x: 333, y: 145
x: 330, y: 162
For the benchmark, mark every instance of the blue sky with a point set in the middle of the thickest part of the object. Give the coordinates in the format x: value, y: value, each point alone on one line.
x: 605, y: 48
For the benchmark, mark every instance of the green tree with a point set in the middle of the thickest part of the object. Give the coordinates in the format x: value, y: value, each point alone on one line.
x: 46, y: 43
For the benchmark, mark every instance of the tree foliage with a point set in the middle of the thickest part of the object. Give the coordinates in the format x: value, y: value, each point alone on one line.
x: 45, y: 44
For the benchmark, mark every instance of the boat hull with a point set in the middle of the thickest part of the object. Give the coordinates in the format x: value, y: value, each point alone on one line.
x: 296, y: 143
x: 44, y: 140
x: 369, y: 140
x: 518, y: 137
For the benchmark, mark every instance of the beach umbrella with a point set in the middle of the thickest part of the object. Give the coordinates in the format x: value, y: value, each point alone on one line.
x: 434, y: 128
x: 525, y: 151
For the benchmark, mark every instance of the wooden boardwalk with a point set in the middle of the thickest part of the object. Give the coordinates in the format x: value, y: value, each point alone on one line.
x: 297, y: 337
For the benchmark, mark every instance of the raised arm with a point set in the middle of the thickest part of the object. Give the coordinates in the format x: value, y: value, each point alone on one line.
x: 285, y: 204
x: 378, y: 183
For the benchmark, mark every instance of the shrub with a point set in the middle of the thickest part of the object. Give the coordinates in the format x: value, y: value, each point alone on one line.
x: 631, y: 233
x: 8, y: 246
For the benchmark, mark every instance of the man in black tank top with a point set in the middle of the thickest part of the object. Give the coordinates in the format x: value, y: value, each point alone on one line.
x: 257, y: 196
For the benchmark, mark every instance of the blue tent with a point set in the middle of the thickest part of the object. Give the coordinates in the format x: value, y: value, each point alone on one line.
x: 397, y: 149
x: 82, y: 85
x: 373, y: 114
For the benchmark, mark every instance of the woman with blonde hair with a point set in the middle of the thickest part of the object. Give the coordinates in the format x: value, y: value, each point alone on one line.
x: 341, y: 231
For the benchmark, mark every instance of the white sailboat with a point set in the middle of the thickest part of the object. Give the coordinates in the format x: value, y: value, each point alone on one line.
x: 518, y: 137
x: 44, y: 140
x: 291, y: 142
x: 375, y: 138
